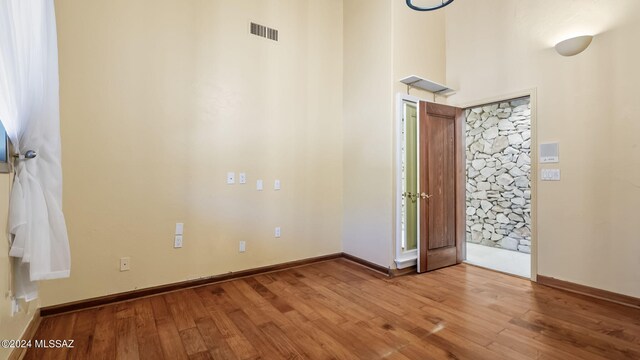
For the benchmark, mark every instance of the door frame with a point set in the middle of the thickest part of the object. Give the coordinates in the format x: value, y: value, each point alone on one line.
x: 532, y: 94
x: 410, y: 258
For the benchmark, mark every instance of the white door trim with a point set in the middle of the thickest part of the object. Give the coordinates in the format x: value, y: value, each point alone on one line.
x: 409, y: 258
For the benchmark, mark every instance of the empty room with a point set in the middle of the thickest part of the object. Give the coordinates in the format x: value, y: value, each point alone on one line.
x: 319, y: 179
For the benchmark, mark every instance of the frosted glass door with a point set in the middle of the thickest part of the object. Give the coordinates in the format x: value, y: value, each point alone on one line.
x: 410, y: 178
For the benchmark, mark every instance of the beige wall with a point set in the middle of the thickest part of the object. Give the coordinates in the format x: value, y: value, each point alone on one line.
x: 11, y: 327
x: 384, y: 41
x: 418, y: 47
x: 587, y: 222
x: 159, y: 100
x: 368, y: 130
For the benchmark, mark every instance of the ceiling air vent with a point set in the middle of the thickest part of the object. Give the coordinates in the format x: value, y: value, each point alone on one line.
x: 263, y: 31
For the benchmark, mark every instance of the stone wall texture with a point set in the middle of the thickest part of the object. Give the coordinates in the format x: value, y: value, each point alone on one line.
x: 498, y: 139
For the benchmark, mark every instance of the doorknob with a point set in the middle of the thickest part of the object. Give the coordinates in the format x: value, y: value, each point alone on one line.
x: 424, y: 196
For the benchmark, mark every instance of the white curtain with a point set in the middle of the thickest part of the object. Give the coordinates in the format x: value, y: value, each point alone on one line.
x: 29, y: 111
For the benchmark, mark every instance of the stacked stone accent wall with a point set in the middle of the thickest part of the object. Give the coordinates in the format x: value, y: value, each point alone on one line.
x: 498, y: 139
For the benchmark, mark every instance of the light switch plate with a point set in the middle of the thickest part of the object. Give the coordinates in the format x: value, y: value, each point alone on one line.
x: 231, y: 178
x: 276, y: 185
x: 15, y: 306
x: 242, y: 178
x: 243, y: 246
x: 550, y: 175
x: 179, y: 228
x: 259, y: 185
x: 177, y: 241
x: 277, y: 232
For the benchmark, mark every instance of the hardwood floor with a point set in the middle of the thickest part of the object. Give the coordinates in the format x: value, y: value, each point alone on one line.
x: 340, y: 310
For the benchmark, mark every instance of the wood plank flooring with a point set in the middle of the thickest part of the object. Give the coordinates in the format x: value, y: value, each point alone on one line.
x: 340, y: 310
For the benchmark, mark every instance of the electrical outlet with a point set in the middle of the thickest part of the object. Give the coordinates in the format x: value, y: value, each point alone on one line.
x: 125, y: 264
x: 177, y: 241
x: 243, y: 246
x: 259, y: 185
x: 242, y: 178
x: 276, y: 185
x: 277, y: 232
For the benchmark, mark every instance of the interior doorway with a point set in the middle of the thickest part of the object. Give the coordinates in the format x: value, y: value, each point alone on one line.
x: 499, y: 185
x: 430, y: 198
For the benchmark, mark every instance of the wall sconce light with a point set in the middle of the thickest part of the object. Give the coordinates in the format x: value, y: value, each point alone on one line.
x: 573, y: 46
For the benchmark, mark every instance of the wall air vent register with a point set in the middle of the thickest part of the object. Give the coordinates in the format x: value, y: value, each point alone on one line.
x: 263, y: 31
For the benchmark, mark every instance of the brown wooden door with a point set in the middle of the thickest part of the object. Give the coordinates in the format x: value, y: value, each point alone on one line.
x: 441, y: 187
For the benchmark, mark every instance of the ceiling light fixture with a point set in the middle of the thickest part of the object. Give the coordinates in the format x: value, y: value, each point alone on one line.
x: 435, y: 6
x: 573, y: 46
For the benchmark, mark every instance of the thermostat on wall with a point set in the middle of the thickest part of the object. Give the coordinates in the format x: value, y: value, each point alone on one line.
x: 549, y: 153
